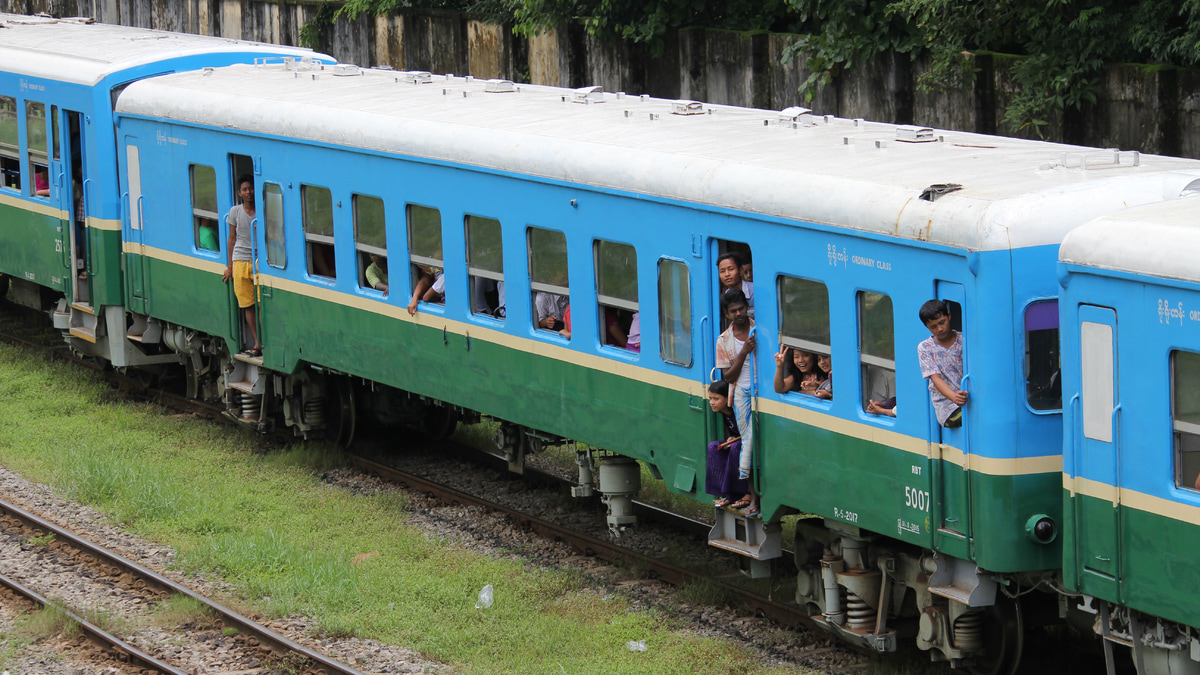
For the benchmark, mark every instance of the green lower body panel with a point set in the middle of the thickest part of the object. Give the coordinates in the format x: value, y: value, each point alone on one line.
x: 31, y: 248
x: 1146, y: 561
x: 883, y: 489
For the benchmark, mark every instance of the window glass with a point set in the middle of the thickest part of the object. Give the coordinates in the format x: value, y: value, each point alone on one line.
x: 485, y: 266
x: 877, y: 350
x: 54, y: 135
x: 35, y: 139
x: 548, y: 279
x: 1185, y: 414
x: 1043, y: 388
x: 804, y: 314
x: 272, y: 214
x: 674, y: 312
x: 616, y: 293
x: 370, y: 242
x: 317, y: 203
x: 204, y: 208
x: 10, y: 144
x: 425, y: 252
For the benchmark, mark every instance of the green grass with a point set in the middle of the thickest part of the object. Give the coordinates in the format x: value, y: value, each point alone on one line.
x: 287, y: 541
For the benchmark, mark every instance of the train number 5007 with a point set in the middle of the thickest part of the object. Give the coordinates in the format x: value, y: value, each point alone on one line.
x: 916, y: 499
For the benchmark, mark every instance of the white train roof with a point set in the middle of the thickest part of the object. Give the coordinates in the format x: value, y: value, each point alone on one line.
x: 1161, y: 240
x: 82, y: 52
x: 841, y: 172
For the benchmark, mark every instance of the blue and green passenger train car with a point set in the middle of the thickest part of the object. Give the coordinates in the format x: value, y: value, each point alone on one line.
x: 59, y: 201
x: 1130, y: 306
x: 622, y: 205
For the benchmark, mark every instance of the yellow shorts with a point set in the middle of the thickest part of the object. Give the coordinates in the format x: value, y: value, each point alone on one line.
x: 243, y: 283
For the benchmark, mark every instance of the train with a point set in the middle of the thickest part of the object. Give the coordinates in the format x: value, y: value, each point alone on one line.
x: 619, y: 206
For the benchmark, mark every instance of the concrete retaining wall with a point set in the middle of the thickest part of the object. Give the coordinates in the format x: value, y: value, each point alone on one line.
x: 1151, y: 109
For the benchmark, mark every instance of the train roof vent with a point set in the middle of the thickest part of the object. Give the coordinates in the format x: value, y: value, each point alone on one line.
x: 499, y: 86
x: 915, y: 135
x: 415, y: 77
x: 795, y: 117
x: 346, y: 70
x: 592, y: 94
x: 685, y: 107
x: 937, y: 190
x: 1191, y: 188
x: 1110, y: 158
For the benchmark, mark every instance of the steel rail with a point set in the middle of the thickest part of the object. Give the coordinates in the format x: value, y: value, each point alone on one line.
x: 231, y: 618
x: 672, y: 574
x: 116, y: 645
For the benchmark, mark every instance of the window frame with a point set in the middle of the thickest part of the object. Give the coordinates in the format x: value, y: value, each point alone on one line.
x: 866, y: 360
x: 311, y: 238
x: 269, y: 225
x: 363, y: 251
x: 30, y: 151
x: 11, y: 152
x: 800, y: 343
x: 1025, y: 352
x: 198, y: 213
x: 536, y: 287
x: 1180, y: 427
x: 474, y: 271
x: 663, y: 340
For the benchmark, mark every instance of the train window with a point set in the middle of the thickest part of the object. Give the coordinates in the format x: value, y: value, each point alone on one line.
x: 617, y: 293
x: 485, y: 266
x: 804, y: 315
x: 877, y: 350
x: 370, y: 242
x: 674, y: 312
x: 1185, y: 416
x: 317, y: 205
x: 425, y: 253
x: 272, y: 214
x: 54, y: 135
x: 204, y: 208
x: 1043, y: 388
x: 10, y: 144
x: 548, y: 280
x: 35, y: 140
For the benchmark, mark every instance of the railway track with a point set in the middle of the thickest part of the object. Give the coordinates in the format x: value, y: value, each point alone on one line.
x: 108, y: 571
x: 736, y: 595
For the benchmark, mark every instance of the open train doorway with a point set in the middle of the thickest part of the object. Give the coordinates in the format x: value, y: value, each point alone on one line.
x: 240, y: 167
x: 77, y: 193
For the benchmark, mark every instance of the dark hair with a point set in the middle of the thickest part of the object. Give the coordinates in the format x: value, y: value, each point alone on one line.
x: 732, y: 296
x: 932, y: 309
x: 245, y: 178
x: 732, y: 255
x: 720, y: 388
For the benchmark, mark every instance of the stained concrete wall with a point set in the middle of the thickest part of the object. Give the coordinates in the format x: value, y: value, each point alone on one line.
x: 1138, y: 108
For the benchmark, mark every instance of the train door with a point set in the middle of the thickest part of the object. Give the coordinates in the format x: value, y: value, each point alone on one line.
x: 953, y: 482
x: 72, y: 172
x: 241, y: 166
x: 135, y: 201
x: 1098, y: 455
x: 735, y: 265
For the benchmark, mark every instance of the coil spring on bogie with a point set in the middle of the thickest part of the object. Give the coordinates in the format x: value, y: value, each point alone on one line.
x: 860, y: 618
x: 251, y: 405
x: 968, y: 631
x: 314, y: 411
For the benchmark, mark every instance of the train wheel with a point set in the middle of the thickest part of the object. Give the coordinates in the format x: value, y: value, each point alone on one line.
x: 340, y: 424
x: 440, y: 421
x: 1003, y: 639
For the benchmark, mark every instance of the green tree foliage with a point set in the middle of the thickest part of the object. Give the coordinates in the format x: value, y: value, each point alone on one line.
x: 1063, y: 44
x: 646, y: 21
